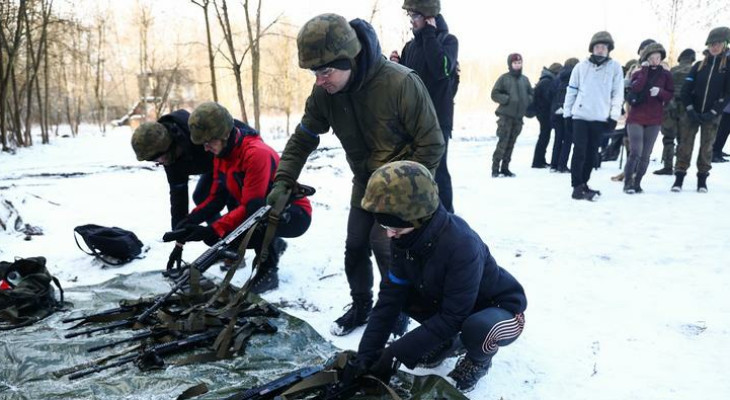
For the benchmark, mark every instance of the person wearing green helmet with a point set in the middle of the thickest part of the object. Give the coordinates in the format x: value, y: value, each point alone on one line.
x: 380, y: 111
x: 244, y: 168
x: 704, y: 95
x: 442, y: 275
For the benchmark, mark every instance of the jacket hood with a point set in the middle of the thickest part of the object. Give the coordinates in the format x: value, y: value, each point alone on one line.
x: 441, y: 25
x: 565, y: 72
x: 546, y: 74
x: 177, y: 117
x: 370, y: 55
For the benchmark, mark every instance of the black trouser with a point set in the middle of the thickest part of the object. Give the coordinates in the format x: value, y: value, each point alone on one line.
x: 443, y: 178
x: 586, y: 137
x: 562, y: 143
x: 722, y: 133
x: 293, y: 222
x: 538, y: 159
x: 363, y: 236
x: 201, y: 191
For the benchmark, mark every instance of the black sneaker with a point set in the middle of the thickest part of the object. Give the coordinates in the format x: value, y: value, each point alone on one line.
x: 356, y: 315
x: 467, y: 373
x: 450, y: 348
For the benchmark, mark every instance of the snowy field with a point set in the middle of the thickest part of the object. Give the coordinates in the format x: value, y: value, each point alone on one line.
x: 627, y: 296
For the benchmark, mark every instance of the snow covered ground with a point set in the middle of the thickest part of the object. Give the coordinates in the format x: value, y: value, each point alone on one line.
x: 627, y: 296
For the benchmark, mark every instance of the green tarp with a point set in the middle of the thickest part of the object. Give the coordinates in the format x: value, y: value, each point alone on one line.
x: 30, y: 355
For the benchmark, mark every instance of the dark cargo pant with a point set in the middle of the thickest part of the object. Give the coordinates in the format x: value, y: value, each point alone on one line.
x: 687, y: 132
x: 508, y: 129
x: 364, y: 236
x: 670, y: 132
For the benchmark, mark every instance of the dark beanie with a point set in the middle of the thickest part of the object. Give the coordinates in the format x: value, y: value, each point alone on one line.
x: 555, y: 68
x: 644, y: 44
x: 392, y: 221
x: 687, y: 54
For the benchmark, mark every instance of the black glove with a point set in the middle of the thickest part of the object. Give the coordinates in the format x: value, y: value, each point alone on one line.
x: 196, y: 233
x: 611, y: 125
x: 354, y: 369
x: 693, y: 116
x: 385, y: 366
x: 708, y: 116
x: 280, y: 188
x: 175, y: 257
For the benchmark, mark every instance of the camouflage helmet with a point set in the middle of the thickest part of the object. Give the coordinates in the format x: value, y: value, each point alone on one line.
x: 719, y: 34
x: 404, y: 189
x: 208, y: 121
x: 326, y: 38
x: 427, y: 8
x: 150, y: 140
x: 601, y: 37
x: 653, y: 48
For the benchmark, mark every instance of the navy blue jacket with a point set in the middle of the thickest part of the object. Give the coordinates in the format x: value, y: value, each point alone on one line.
x: 542, y: 95
x: 433, y: 54
x: 190, y: 159
x: 443, y: 277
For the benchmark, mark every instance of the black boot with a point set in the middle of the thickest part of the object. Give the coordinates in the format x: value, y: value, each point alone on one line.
x: 678, y: 181
x: 357, y: 315
x: 702, y: 181
x: 579, y: 192
x: 637, y: 184
x: 629, y: 185
x: 468, y: 372
x: 664, y: 171
x: 505, y: 170
x: 267, y: 276
x: 495, y: 168
x: 450, y: 348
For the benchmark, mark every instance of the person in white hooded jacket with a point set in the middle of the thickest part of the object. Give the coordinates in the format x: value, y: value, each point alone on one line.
x: 592, y: 105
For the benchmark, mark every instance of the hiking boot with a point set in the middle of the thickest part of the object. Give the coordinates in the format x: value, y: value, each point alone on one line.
x: 505, y: 170
x: 267, y: 276
x: 678, y: 181
x: 450, y: 348
x: 664, y: 171
x: 356, y: 315
x: 401, y: 325
x: 702, y: 181
x: 468, y: 372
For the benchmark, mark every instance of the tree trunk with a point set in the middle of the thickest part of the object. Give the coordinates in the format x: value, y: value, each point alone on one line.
x: 235, y: 64
x: 255, y: 60
x: 8, y: 73
x: 211, y: 57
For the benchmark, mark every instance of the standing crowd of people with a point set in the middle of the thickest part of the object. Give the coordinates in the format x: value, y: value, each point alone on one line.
x: 394, y: 118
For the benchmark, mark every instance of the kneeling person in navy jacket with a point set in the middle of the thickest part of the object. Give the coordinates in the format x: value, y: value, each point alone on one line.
x: 443, y: 276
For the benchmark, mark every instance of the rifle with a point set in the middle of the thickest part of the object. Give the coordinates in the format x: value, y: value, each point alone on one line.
x: 202, y: 263
x: 277, y: 386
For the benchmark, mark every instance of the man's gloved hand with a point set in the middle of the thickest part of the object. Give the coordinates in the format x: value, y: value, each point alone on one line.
x: 196, y: 233
x: 281, y: 188
x: 708, y: 116
x: 354, y: 369
x: 385, y: 366
x: 611, y: 124
x: 175, y: 256
x: 692, y: 115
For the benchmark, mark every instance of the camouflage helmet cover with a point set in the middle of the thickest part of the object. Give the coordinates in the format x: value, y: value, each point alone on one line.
x: 719, y: 34
x: 601, y: 37
x: 326, y: 38
x: 653, y: 48
x: 208, y: 121
x: 428, y: 8
x: 404, y: 189
x: 149, y: 140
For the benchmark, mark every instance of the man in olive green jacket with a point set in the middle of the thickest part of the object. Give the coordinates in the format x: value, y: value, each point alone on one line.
x: 513, y: 93
x: 381, y: 112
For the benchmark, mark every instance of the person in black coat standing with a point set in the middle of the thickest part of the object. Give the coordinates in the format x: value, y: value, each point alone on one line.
x: 543, y: 100
x: 433, y: 54
x: 442, y: 275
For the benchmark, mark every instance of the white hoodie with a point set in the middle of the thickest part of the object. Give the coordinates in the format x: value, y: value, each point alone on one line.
x: 595, y: 93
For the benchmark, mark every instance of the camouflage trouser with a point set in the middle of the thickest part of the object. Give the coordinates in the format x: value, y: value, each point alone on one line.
x: 507, y: 131
x: 687, y: 131
x: 670, y: 132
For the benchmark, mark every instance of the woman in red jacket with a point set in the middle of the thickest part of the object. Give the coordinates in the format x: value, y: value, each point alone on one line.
x: 651, y: 88
x: 243, y: 167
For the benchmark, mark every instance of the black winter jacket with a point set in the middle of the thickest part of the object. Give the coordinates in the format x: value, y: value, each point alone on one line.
x: 433, y: 54
x: 445, y: 276
x: 708, y: 88
x: 542, y: 96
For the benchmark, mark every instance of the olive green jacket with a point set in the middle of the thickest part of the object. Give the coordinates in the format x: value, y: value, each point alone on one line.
x: 513, y: 94
x: 387, y: 116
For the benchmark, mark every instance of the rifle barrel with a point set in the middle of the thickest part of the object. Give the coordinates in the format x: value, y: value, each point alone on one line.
x: 111, y: 326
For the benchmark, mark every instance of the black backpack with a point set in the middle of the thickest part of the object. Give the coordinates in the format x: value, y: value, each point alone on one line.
x: 114, y: 246
x: 27, y: 295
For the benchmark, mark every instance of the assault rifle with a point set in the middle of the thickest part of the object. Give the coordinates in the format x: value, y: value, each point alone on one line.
x: 202, y: 263
x: 277, y: 386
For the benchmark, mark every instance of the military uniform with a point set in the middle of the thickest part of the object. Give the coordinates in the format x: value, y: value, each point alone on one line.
x: 674, y: 113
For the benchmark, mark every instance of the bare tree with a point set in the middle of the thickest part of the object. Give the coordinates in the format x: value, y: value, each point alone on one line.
x: 211, y: 57
x: 225, y: 23
x: 10, y: 28
x: 678, y: 16
x: 102, y: 19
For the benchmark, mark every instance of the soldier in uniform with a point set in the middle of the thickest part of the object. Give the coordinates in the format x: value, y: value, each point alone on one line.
x: 442, y: 275
x: 704, y: 94
x: 674, y: 112
x: 380, y: 111
x: 513, y: 93
x: 433, y: 54
x: 245, y: 166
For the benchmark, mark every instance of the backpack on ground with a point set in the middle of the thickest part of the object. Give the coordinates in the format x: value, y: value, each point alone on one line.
x: 26, y: 293
x: 112, y: 245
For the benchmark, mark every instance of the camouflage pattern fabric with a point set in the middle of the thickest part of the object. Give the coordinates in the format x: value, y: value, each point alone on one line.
x: 687, y: 132
x: 428, y: 8
x: 210, y: 120
x: 149, y: 140
x: 507, y: 131
x: 405, y: 189
x: 653, y: 48
x: 601, y: 37
x: 326, y: 38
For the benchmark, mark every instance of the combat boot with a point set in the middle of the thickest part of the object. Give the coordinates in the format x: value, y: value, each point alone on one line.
x: 678, y: 181
x: 664, y: 171
x: 505, y: 170
x: 356, y: 315
x: 450, y: 348
x: 495, y: 168
x: 267, y: 276
x: 637, y: 184
x: 629, y: 186
x: 702, y: 181
x: 468, y: 372
x: 579, y: 192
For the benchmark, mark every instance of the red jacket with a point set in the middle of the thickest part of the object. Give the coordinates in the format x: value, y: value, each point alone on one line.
x: 651, y: 110
x: 249, y: 169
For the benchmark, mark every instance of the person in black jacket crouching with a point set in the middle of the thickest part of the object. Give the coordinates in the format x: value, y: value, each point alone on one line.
x: 443, y: 276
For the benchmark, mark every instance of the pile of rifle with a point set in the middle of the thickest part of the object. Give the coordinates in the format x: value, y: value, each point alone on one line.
x: 194, y: 314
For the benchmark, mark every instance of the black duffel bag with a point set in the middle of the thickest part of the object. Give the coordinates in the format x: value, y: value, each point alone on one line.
x: 112, y: 245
